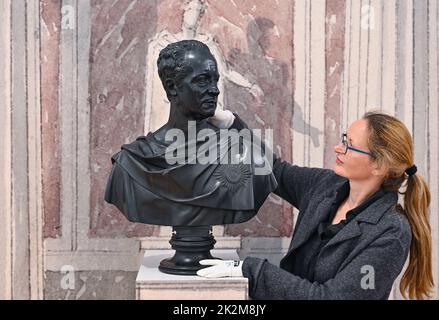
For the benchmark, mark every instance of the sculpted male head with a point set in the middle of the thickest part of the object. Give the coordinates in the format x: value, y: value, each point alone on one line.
x: 189, y: 75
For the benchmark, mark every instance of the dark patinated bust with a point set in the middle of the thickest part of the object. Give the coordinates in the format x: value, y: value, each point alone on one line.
x: 148, y: 185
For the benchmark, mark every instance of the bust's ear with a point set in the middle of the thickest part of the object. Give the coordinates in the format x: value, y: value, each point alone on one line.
x: 171, y: 87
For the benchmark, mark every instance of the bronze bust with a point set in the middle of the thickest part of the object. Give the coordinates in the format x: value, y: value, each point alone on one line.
x: 190, y: 196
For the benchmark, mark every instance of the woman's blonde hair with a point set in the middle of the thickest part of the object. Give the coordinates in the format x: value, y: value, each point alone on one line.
x: 391, y: 145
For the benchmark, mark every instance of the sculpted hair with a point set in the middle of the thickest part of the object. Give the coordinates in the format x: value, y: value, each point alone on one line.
x: 170, y: 63
x: 391, y: 145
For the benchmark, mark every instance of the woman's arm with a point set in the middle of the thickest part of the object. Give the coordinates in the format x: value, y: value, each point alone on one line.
x: 294, y: 182
x: 368, y: 276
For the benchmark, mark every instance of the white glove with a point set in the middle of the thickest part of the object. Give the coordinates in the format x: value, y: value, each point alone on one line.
x: 220, y: 268
x: 222, y: 119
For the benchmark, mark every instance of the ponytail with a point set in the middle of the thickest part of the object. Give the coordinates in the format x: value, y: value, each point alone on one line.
x: 417, y: 280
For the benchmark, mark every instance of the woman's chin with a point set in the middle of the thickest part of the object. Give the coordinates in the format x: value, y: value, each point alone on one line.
x: 336, y: 168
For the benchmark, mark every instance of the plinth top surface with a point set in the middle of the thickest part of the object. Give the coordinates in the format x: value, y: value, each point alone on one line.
x: 149, y: 272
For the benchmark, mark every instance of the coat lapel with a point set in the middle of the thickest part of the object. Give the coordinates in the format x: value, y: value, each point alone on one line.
x: 310, y: 222
x: 372, y: 214
x: 351, y: 230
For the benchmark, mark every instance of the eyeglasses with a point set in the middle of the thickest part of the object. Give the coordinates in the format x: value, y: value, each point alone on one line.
x: 344, y: 141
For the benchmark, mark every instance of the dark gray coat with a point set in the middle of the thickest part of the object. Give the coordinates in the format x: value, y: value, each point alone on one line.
x: 361, y: 262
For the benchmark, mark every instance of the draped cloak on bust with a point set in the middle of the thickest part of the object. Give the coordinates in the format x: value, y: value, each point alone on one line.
x: 147, y: 189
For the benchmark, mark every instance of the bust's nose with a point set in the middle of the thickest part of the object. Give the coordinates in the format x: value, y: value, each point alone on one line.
x: 213, y: 90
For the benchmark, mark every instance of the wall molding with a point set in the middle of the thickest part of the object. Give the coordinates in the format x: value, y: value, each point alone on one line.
x: 309, y: 92
x: 433, y: 133
x: 21, y: 256
x: 5, y: 155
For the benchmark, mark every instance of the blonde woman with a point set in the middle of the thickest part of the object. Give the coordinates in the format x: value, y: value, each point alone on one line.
x: 352, y: 238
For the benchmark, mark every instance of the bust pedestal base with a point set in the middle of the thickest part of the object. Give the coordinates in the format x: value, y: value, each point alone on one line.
x: 151, y: 284
x: 191, y: 244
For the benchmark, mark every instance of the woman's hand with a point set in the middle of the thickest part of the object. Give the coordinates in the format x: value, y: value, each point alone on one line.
x: 220, y: 268
x: 222, y: 119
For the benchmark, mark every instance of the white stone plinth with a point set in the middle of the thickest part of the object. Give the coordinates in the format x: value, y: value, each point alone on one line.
x: 152, y: 284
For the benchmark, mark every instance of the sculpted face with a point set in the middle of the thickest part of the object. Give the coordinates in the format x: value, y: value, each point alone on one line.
x: 197, y: 92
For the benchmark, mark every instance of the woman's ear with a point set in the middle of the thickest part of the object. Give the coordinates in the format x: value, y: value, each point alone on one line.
x: 171, y: 87
x: 379, y: 170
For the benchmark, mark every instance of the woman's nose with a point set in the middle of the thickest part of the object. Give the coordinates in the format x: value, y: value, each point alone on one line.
x: 338, y: 148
